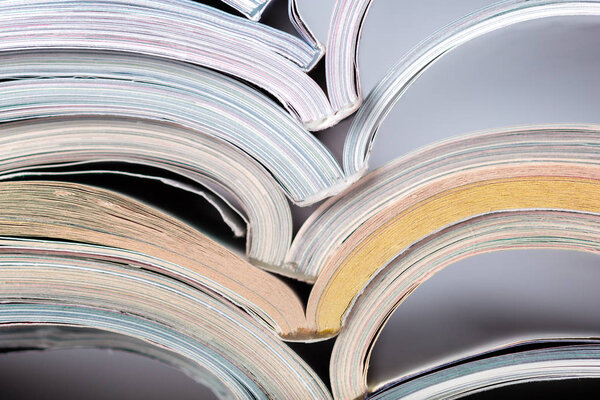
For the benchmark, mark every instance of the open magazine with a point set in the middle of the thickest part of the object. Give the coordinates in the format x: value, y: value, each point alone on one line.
x: 222, y: 107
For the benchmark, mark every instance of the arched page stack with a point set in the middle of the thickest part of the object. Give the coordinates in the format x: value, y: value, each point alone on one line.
x: 178, y: 30
x: 46, y: 283
x: 155, y: 83
x: 340, y: 216
x: 571, y: 230
x: 27, y: 146
x: 84, y: 214
x: 88, y: 83
x: 341, y: 61
x: 551, y: 168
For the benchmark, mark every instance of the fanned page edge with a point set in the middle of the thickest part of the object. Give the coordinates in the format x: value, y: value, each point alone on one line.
x: 257, y: 63
x: 44, y: 209
x: 136, y: 87
x: 396, y: 281
x: 28, y: 146
x: 97, y: 293
x: 341, y: 215
x: 544, y: 185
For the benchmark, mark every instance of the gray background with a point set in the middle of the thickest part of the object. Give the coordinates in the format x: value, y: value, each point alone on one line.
x: 536, y: 72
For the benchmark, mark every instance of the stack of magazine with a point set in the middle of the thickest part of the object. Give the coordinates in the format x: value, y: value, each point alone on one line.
x: 210, y: 104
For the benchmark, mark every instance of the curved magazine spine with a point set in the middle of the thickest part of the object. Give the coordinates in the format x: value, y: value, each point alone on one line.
x: 192, y: 97
x: 105, y: 218
x: 156, y: 32
x: 399, y: 278
x: 187, y: 13
x: 30, y: 145
x: 399, y: 78
x: 341, y: 61
x: 544, y: 185
x: 338, y: 217
x: 211, y: 332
